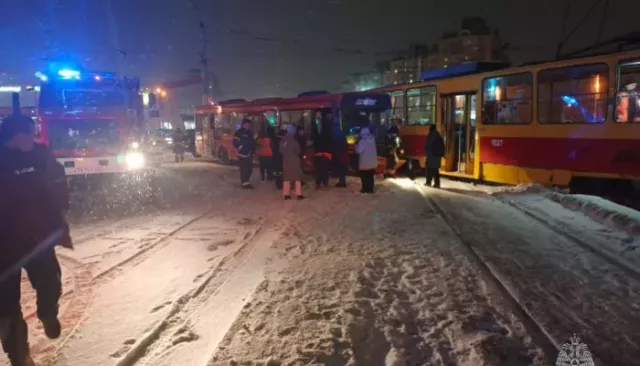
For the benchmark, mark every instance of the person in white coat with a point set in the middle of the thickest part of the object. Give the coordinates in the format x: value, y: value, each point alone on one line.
x: 367, y: 160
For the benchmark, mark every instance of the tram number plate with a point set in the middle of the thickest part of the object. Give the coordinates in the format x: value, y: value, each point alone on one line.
x: 497, y: 143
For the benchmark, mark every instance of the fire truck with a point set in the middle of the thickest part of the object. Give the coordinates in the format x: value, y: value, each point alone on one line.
x: 92, y: 122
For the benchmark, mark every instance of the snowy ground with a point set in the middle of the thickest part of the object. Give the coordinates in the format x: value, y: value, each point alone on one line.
x: 466, y: 275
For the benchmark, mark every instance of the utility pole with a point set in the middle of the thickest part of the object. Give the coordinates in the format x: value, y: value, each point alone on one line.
x: 206, y: 82
x: 206, y: 85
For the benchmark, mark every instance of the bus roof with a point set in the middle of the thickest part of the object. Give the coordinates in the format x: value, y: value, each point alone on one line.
x: 316, y: 101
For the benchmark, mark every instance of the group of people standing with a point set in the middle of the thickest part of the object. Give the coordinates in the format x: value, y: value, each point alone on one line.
x: 281, y: 153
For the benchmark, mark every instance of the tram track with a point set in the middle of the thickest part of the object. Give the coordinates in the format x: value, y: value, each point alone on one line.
x: 613, y: 260
x: 539, y: 334
x: 627, y: 267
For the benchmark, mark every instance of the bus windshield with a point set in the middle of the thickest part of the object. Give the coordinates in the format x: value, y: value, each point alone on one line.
x: 377, y: 121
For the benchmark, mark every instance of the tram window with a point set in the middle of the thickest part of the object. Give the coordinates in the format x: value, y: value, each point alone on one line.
x: 397, y: 104
x: 422, y: 106
x: 507, y: 99
x: 576, y: 94
x: 628, y: 95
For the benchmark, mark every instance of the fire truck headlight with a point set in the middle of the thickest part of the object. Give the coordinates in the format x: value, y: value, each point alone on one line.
x: 134, y: 160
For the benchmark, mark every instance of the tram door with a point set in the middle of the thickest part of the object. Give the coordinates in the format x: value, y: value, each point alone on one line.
x: 459, y: 130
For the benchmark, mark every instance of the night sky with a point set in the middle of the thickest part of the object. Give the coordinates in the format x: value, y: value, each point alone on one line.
x: 260, y: 48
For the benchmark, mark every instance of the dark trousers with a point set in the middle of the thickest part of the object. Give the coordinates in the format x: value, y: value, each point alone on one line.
x: 45, y: 277
x: 277, y: 171
x: 341, y: 172
x: 321, y: 165
x: 246, y: 168
x: 433, y: 175
x: 367, y: 180
x: 266, y: 171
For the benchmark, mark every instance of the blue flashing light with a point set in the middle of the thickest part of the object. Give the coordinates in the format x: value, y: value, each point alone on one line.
x: 44, y: 78
x: 571, y: 101
x: 69, y: 74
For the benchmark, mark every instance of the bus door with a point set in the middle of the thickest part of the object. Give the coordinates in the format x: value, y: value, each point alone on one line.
x: 458, y: 131
x: 204, y: 135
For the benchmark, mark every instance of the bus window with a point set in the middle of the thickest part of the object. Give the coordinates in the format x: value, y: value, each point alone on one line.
x: 222, y: 124
x: 421, y: 106
x: 236, y: 120
x: 628, y: 95
x: 397, y: 105
x: 576, y: 94
x: 507, y: 99
x: 272, y: 118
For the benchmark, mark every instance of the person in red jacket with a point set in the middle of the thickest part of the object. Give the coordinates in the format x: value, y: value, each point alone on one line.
x: 33, y: 197
x: 265, y: 155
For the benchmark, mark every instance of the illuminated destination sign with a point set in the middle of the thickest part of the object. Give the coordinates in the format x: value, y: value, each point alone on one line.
x: 369, y: 102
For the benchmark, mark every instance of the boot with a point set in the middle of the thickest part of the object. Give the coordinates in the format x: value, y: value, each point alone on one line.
x: 52, y: 327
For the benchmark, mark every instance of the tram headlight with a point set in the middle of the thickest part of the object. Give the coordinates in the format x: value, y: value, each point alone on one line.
x: 134, y: 160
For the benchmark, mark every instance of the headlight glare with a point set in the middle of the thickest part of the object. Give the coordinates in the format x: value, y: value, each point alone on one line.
x: 134, y: 160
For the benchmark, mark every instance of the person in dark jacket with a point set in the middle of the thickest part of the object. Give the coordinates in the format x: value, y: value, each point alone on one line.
x: 392, y: 142
x: 434, y: 150
x: 340, y: 157
x: 32, y: 223
x: 245, y: 144
x: 302, y: 141
x: 277, y: 156
x: 323, y: 152
x: 265, y: 155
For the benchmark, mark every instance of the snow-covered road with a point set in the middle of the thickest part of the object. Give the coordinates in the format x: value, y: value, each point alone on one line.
x: 214, y: 275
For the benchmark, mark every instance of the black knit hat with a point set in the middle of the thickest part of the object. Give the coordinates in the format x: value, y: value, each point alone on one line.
x: 13, y: 125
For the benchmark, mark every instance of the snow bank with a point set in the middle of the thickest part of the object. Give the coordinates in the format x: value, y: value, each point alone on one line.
x: 519, y: 189
x: 601, y: 210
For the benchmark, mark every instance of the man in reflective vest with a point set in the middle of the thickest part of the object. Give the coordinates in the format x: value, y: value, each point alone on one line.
x: 265, y: 155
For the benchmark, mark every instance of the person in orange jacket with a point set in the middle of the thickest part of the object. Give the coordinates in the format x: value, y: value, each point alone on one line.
x: 265, y: 155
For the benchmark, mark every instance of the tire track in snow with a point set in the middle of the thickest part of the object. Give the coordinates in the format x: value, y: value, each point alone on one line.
x: 538, y: 333
x: 176, y: 327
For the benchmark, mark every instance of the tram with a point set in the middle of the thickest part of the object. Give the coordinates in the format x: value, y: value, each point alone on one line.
x: 572, y: 122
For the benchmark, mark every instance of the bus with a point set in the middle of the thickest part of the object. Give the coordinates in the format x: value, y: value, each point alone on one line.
x: 216, y: 124
x: 573, y: 122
